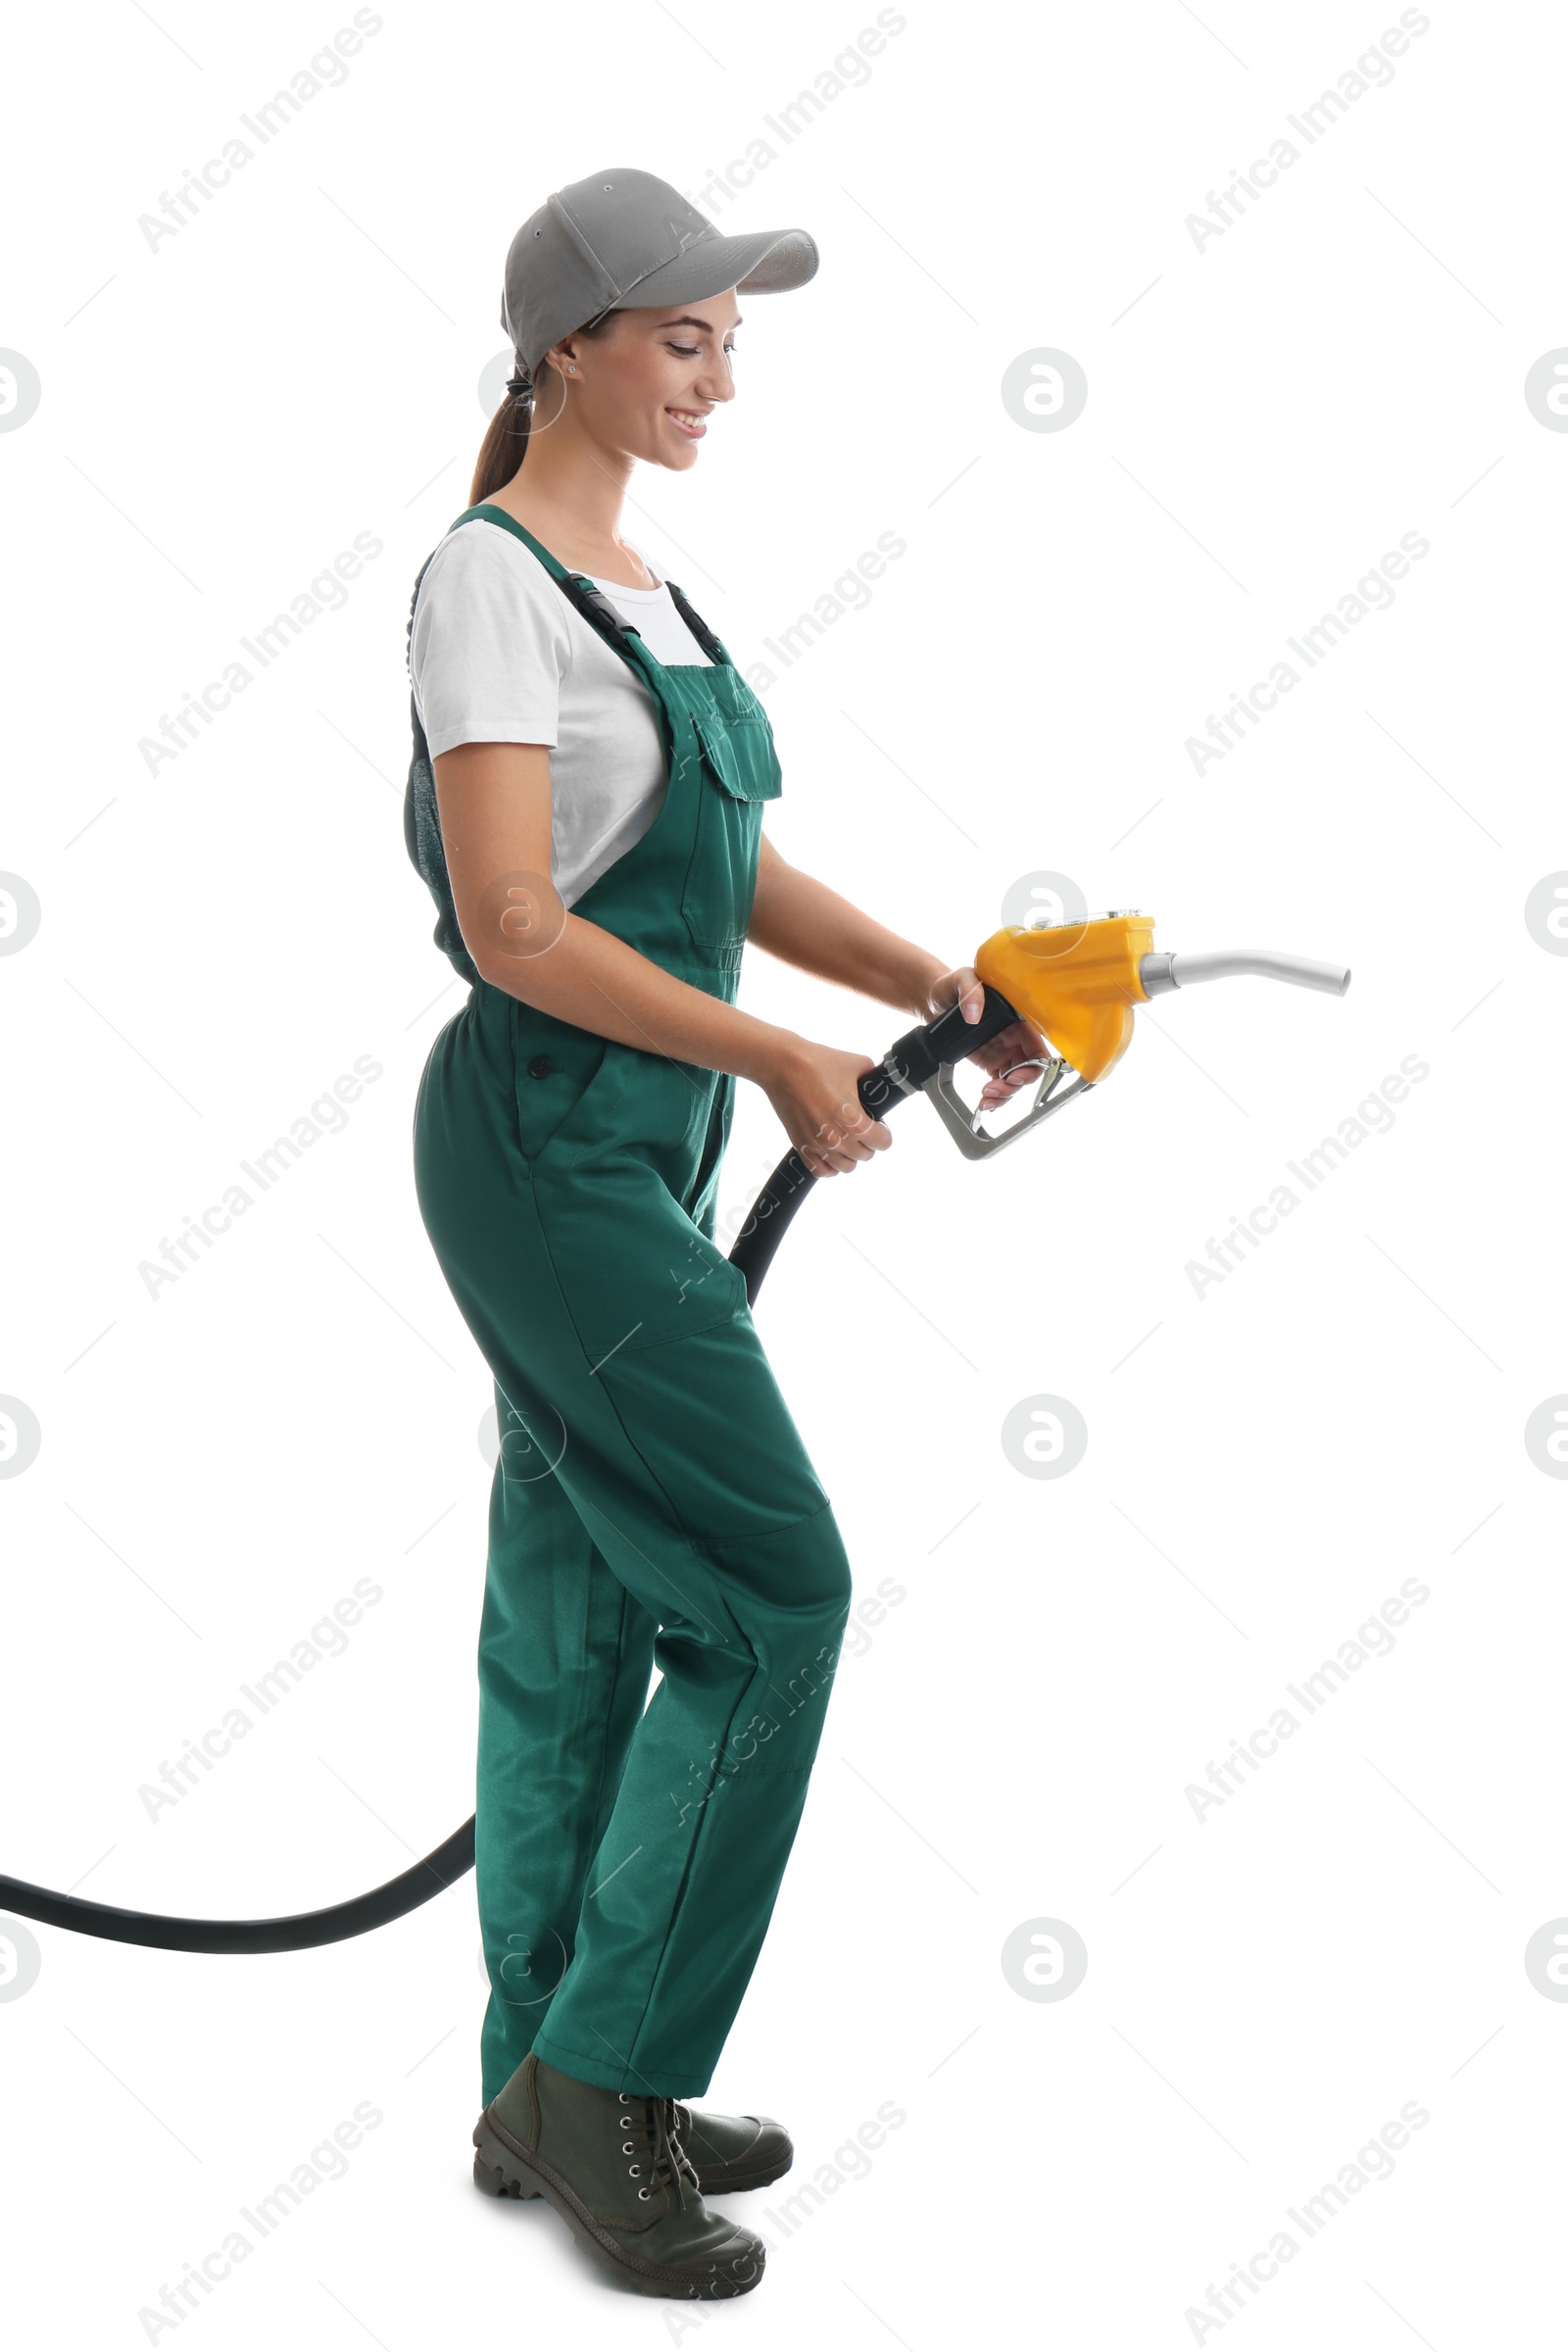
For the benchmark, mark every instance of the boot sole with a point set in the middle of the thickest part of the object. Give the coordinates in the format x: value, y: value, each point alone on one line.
x: 503, y: 2171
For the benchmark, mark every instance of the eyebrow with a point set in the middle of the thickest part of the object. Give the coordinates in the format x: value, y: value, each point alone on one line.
x: 706, y: 324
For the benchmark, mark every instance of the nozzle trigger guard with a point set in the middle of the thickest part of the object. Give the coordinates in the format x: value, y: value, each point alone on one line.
x: 962, y: 1123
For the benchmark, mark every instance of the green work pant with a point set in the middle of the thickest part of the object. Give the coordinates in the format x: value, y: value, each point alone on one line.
x: 653, y: 1504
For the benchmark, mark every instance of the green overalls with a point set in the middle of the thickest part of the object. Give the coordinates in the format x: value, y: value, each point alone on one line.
x: 653, y: 1502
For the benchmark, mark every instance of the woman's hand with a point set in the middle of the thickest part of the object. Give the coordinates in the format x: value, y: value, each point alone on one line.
x: 813, y: 1090
x: 1020, y: 1042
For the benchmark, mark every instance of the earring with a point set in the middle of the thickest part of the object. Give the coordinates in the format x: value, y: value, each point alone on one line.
x: 571, y: 369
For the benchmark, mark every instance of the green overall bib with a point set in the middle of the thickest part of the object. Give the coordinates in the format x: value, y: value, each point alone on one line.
x: 653, y: 1502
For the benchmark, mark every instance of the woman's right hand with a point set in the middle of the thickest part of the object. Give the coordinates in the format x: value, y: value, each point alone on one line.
x: 813, y: 1090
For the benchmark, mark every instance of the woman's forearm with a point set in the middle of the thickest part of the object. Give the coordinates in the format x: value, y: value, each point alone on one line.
x: 495, y: 809
x: 593, y: 979
x: 802, y: 921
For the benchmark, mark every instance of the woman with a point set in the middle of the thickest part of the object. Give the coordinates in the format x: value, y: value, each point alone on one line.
x: 585, y: 803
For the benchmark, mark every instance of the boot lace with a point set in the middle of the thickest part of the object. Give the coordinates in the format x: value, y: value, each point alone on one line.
x: 682, y: 2126
x: 654, y: 2142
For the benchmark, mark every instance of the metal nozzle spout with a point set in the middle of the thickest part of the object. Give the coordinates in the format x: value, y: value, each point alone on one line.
x: 1160, y: 973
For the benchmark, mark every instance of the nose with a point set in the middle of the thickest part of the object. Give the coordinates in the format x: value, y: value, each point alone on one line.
x: 717, y: 382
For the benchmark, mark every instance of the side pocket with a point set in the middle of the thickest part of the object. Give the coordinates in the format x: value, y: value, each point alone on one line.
x: 716, y: 1142
x: 554, y: 1065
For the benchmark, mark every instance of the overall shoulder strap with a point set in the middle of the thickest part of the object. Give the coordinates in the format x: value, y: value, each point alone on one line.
x: 699, y: 627
x: 419, y: 764
x: 590, y: 602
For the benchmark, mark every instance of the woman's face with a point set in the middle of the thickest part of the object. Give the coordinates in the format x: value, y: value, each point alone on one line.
x: 645, y: 385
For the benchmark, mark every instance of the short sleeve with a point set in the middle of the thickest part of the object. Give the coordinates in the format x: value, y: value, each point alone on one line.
x: 489, y: 645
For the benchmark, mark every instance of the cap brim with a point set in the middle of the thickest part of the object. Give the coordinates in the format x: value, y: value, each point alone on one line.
x: 772, y: 262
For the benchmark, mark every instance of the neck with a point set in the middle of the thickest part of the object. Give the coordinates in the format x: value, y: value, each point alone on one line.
x: 569, y: 489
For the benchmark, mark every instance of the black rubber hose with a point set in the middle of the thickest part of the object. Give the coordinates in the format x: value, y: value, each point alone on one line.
x: 915, y: 1057
x: 299, y: 1933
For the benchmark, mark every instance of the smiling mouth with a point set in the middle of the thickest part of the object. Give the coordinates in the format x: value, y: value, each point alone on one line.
x: 688, y: 422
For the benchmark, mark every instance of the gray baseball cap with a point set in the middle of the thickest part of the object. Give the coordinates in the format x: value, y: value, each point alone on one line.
x: 624, y: 239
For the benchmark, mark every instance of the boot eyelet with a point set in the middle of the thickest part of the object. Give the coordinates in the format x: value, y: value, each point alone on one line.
x: 644, y: 2192
x: 629, y: 2147
x: 634, y: 2169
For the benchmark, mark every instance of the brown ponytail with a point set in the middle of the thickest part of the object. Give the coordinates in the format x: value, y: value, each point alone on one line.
x: 504, y: 447
x: 505, y: 442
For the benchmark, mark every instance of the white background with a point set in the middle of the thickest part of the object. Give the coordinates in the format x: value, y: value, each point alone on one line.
x: 1267, y: 1986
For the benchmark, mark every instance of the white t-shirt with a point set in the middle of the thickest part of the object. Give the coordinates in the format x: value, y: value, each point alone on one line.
x: 499, y: 655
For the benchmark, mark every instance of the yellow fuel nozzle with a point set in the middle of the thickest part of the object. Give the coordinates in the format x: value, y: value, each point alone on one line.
x: 1077, y: 982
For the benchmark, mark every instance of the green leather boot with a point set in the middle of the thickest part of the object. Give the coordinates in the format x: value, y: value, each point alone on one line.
x: 733, y: 2151
x: 613, y: 2169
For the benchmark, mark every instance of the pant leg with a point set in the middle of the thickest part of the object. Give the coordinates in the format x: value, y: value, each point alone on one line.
x: 717, y: 1774
x: 684, y: 1466
x: 565, y: 1655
